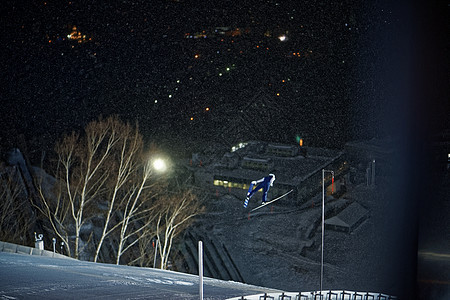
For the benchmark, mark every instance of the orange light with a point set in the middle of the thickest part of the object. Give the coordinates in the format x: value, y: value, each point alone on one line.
x: 278, y: 94
x: 192, y: 118
x: 207, y: 109
x: 301, y: 142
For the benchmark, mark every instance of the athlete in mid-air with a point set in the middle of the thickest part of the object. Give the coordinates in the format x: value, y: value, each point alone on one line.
x: 264, y: 183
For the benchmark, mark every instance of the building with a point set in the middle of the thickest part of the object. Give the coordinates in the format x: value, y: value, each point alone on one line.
x: 295, y: 168
x: 348, y: 219
x: 374, y: 154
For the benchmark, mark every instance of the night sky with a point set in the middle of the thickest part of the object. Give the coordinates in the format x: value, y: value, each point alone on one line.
x: 189, y: 71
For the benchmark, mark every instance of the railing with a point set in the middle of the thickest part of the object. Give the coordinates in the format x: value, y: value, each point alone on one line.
x: 317, y: 295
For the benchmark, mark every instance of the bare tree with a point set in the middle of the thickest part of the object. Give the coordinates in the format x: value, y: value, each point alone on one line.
x: 107, y: 167
x: 137, y: 213
x: 144, y: 257
x: 81, y: 173
x: 15, y: 222
x: 176, y: 211
x: 125, y: 163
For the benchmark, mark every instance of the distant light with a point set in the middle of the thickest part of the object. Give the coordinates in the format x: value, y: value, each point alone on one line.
x: 170, y: 96
x: 207, y: 109
x: 156, y: 101
x: 282, y: 38
x: 228, y: 69
x: 192, y: 118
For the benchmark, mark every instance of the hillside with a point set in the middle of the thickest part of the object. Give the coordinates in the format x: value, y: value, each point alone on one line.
x: 279, y: 246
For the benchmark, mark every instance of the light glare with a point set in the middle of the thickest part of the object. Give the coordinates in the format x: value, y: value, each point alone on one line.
x: 159, y: 165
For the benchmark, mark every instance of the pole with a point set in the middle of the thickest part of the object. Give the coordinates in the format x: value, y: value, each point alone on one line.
x: 156, y: 252
x: 200, y: 268
x: 323, y: 225
x: 323, y: 221
x: 373, y: 173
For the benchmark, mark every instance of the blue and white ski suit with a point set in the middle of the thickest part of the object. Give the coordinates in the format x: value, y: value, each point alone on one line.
x: 264, y: 183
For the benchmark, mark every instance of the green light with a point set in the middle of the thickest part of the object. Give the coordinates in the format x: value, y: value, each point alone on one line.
x: 299, y: 140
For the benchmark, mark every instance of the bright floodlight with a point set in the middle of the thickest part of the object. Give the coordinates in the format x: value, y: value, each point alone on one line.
x: 159, y: 165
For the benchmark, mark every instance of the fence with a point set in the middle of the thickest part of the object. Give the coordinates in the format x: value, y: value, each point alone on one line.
x: 317, y: 295
x: 13, y: 248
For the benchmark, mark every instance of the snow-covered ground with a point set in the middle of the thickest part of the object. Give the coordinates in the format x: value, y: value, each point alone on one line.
x: 25, y: 276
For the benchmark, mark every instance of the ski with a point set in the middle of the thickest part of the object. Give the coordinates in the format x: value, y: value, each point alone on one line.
x: 271, y: 201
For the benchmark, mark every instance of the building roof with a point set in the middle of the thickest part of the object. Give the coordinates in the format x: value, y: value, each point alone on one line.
x: 348, y: 217
x: 288, y: 169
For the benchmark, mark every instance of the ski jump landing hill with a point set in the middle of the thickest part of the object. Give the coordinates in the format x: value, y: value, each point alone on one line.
x: 33, y: 273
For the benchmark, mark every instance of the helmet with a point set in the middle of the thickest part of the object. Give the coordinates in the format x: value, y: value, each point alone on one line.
x: 272, y: 179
